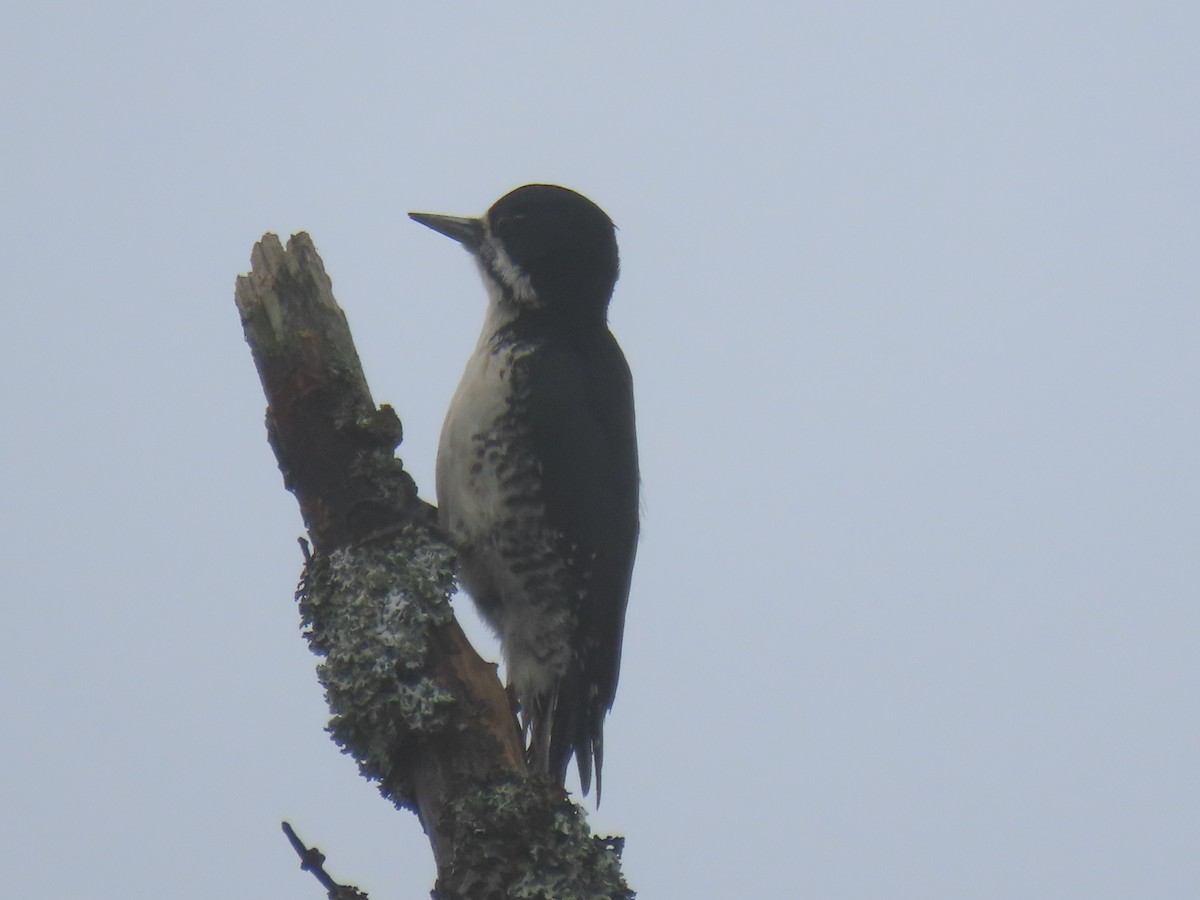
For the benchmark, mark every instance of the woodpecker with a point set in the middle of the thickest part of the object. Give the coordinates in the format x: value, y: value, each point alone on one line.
x: 537, y: 466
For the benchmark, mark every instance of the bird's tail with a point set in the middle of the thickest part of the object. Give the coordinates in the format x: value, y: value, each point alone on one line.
x: 561, y: 724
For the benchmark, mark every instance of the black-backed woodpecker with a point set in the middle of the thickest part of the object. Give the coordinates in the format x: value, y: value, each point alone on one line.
x: 537, y: 469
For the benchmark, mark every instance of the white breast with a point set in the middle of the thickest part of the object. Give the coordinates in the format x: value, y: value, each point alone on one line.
x: 468, y: 499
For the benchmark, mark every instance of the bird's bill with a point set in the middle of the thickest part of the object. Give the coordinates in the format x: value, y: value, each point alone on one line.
x: 468, y: 232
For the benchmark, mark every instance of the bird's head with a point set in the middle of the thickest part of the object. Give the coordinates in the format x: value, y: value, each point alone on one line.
x: 541, y: 247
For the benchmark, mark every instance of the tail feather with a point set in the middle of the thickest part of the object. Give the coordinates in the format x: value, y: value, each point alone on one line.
x: 598, y: 754
x: 561, y: 725
x: 575, y: 729
x: 537, y: 718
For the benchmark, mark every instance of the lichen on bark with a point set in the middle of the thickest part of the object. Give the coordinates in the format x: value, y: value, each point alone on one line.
x: 368, y: 610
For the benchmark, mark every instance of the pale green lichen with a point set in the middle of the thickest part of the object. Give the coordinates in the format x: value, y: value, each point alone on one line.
x: 525, y: 840
x: 368, y: 611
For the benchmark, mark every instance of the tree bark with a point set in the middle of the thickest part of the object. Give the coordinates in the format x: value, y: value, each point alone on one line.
x: 411, y: 700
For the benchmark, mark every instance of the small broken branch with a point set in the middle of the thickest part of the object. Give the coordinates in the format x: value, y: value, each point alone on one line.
x: 313, y: 860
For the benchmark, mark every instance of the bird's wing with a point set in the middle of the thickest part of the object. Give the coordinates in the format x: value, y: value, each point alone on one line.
x: 582, y: 416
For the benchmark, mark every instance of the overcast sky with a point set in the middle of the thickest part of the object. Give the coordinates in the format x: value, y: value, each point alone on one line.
x: 912, y: 302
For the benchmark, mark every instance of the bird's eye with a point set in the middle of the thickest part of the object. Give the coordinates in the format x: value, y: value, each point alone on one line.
x: 505, y: 224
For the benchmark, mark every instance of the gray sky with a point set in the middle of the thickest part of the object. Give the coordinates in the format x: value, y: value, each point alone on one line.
x: 912, y: 303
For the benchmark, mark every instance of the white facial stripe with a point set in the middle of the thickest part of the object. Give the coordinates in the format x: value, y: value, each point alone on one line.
x: 507, y: 274
x: 510, y: 275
